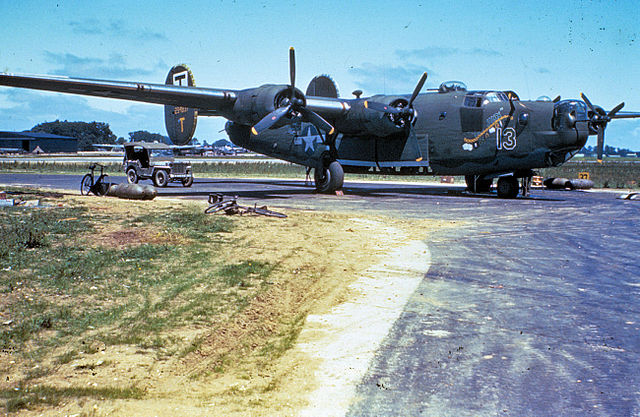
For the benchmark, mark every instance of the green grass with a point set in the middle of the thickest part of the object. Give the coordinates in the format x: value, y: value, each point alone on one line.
x: 619, y: 173
x: 243, y: 274
x: 26, y: 228
x: 210, y: 169
x: 609, y: 174
x: 65, y: 287
x: 29, y: 397
x: 285, y: 340
x: 190, y: 222
x: 66, y: 357
x: 217, y: 169
x: 56, y: 167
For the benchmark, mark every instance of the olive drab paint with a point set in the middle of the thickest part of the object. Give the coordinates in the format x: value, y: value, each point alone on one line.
x: 481, y: 134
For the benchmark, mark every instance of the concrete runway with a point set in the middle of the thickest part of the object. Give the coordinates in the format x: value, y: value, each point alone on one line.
x: 531, y: 306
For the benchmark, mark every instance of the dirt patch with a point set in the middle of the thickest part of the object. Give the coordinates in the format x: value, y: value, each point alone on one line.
x: 127, y: 237
x: 136, y: 236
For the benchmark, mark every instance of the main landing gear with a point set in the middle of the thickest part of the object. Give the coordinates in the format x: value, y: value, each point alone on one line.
x: 478, y: 184
x: 508, y: 186
x: 329, y: 178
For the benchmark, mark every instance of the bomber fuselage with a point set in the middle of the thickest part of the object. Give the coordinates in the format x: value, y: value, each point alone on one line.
x: 456, y: 133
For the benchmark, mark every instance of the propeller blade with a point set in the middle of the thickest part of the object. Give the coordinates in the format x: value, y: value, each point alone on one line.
x: 316, y: 120
x: 373, y: 105
x: 419, y: 86
x: 394, y: 110
x: 270, y: 119
x: 600, y: 142
x: 557, y: 99
x: 586, y: 100
x: 513, y: 109
x: 615, y: 110
x: 292, y: 69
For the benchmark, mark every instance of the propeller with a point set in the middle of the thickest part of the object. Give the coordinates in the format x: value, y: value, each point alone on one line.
x: 511, y: 111
x: 402, y: 115
x: 405, y: 111
x: 292, y: 106
x: 598, y: 121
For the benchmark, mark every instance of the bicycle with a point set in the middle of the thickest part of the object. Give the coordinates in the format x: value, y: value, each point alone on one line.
x: 90, y: 184
x: 217, y: 203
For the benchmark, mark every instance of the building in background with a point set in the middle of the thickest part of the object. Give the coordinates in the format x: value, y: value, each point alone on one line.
x: 34, y: 142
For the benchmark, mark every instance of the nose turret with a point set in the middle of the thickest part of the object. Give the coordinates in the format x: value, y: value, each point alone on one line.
x: 571, y: 122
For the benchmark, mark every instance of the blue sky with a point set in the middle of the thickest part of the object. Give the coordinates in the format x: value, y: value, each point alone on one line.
x: 535, y: 48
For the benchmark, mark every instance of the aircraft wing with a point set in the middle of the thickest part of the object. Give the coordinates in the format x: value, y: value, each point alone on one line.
x: 207, y: 101
x: 626, y: 115
x: 193, y: 97
x: 329, y: 107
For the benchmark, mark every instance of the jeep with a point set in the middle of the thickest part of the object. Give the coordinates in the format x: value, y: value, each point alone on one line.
x: 154, y: 161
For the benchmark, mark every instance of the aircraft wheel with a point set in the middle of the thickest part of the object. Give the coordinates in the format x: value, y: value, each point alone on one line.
x: 329, y: 179
x: 508, y: 187
x: 479, y: 185
x: 160, y: 178
x: 187, y: 182
x: 484, y: 186
x: 132, y: 176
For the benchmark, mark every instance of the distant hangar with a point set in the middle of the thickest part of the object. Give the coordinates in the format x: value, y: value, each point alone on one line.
x: 30, y: 142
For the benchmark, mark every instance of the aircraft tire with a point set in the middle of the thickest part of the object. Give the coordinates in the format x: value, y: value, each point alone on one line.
x: 187, y: 182
x: 478, y: 186
x: 160, y: 178
x: 132, y: 176
x: 508, y: 187
x: 330, y: 180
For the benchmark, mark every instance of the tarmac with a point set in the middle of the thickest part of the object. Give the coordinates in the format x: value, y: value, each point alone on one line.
x: 530, y: 307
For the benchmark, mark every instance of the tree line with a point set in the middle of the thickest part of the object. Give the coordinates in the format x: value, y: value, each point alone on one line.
x: 89, y: 133
x: 608, y: 150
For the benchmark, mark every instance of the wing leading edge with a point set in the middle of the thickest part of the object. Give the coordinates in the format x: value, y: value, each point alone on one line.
x: 207, y: 99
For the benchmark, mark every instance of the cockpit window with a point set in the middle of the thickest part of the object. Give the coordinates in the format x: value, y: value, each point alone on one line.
x: 449, y: 86
x: 472, y: 100
x: 482, y: 98
x: 494, y: 97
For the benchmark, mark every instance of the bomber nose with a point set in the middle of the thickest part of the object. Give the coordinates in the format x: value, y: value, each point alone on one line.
x: 571, y: 122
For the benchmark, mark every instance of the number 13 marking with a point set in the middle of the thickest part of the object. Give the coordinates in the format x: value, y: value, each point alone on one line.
x: 506, y: 139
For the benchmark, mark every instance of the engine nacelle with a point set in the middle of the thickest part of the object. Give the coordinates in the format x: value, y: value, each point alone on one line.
x: 253, y: 104
x: 180, y: 121
x: 360, y: 120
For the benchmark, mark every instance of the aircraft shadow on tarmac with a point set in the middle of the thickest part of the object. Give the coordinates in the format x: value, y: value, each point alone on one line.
x: 291, y: 188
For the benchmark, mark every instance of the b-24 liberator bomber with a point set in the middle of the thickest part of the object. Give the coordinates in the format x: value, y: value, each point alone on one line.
x: 481, y: 134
